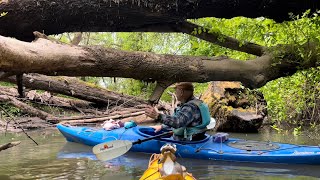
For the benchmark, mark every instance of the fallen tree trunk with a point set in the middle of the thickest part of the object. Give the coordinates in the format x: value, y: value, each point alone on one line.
x: 41, y: 57
x: 47, y: 98
x: 115, y: 112
x: 25, y: 107
x: 75, y: 88
x: 94, y: 120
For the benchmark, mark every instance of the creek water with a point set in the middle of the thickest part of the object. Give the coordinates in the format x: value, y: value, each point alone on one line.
x: 54, y: 158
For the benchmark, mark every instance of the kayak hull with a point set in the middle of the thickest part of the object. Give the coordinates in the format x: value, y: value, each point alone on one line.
x: 229, y: 150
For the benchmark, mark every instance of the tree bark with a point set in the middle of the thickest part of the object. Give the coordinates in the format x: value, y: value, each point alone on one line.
x: 55, y: 17
x: 100, y: 119
x: 50, y: 58
x: 76, y: 88
x: 220, y: 39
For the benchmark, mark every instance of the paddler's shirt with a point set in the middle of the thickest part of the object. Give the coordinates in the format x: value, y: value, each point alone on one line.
x: 186, y: 114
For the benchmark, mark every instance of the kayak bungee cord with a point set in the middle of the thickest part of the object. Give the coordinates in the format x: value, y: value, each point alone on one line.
x: 251, y: 151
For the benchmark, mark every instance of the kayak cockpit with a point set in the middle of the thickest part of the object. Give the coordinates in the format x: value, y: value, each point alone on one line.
x: 148, y: 132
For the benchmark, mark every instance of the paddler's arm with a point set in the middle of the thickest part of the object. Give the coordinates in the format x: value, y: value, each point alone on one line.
x: 185, y: 116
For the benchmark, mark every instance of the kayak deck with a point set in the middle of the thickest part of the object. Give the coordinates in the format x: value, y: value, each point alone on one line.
x: 229, y: 150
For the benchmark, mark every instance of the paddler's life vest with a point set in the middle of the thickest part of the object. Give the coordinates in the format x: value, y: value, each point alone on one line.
x: 187, y: 132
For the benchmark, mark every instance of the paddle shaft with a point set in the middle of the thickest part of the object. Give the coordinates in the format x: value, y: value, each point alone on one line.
x: 139, y: 141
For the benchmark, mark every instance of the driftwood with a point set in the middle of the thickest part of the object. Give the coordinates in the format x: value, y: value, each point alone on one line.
x: 24, y: 107
x: 21, y: 124
x: 117, y: 111
x: 9, y: 145
x: 94, y: 120
x: 75, y: 88
x: 46, y: 98
x: 49, y: 99
x: 141, y: 119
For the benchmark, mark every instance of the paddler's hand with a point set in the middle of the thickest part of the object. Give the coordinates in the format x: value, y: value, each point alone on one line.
x: 152, y: 112
x: 156, y: 128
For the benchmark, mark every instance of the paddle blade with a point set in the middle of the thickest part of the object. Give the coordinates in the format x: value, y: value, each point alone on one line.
x: 109, y: 150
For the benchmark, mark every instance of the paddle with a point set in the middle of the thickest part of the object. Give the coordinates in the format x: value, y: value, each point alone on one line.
x: 112, y: 149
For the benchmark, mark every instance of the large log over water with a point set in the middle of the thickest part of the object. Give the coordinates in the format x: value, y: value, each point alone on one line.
x: 51, y: 58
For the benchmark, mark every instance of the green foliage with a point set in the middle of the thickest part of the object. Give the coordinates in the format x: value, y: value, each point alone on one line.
x: 12, y: 110
x: 297, y: 131
x: 131, y: 87
x: 289, y: 98
x: 6, y: 84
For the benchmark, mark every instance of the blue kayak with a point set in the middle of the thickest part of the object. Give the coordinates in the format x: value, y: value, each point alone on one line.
x: 230, y: 149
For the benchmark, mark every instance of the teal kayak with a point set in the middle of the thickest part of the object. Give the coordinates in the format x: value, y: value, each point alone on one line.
x: 225, y: 149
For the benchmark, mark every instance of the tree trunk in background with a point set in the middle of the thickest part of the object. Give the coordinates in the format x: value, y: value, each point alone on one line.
x: 76, y: 88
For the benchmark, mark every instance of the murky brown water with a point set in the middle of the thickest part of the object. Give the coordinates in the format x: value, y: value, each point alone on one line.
x: 54, y: 158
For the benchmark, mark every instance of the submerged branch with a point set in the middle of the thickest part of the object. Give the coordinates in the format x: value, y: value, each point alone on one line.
x: 9, y: 145
x: 12, y: 118
x: 219, y: 39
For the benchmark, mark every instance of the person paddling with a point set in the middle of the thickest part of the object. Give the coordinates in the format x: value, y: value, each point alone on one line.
x: 189, y: 119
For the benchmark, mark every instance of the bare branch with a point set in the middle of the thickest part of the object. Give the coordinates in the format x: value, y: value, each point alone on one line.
x: 219, y: 39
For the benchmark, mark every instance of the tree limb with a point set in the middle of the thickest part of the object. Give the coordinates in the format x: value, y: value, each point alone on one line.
x: 219, y: 39
x: 9, y: 145
x: 46, y: 57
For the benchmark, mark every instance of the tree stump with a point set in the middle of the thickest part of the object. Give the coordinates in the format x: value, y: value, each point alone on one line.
x: 235, y: 108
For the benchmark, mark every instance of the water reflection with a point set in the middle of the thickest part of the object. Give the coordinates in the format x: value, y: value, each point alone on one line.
x: 54, y: 158
x: 135, y: 163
